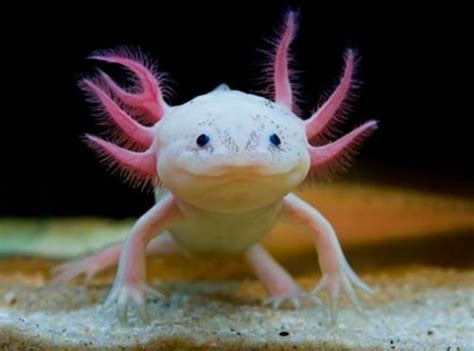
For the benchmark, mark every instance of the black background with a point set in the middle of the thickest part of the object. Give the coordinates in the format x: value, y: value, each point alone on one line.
x: 415, y: 67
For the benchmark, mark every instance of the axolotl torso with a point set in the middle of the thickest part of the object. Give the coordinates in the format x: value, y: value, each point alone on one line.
x: 223, y: 166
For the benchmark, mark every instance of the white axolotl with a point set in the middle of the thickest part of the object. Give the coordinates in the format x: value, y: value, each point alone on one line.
x: 223, y: 166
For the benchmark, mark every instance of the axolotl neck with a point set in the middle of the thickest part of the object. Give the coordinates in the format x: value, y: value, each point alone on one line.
x: 228, y: 151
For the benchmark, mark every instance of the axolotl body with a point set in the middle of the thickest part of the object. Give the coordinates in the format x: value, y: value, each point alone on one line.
x: 223, y: 166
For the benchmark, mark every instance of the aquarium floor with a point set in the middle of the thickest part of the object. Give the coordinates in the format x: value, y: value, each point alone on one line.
x: 419, y: 308
x: 414, y: 248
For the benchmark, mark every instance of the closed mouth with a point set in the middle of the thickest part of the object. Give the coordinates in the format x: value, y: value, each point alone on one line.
x: 238, y: 172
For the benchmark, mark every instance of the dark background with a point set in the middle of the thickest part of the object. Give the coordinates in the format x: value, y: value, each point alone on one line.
x: 415, y: 67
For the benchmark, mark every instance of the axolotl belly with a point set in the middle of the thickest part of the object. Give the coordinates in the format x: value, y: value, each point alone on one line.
x: 203, y: 231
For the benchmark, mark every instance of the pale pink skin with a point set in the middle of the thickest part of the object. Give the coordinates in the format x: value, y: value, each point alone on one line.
x: 141, y: 166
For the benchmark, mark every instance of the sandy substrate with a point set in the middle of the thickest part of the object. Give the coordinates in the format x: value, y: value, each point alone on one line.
x: 417, y: 309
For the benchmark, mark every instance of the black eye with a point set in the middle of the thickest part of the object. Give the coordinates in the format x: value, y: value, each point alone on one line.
x: 275, y: 139
x: 202, y: 140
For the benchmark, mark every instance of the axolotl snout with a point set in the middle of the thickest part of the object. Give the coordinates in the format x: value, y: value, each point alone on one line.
x: 223, y: 166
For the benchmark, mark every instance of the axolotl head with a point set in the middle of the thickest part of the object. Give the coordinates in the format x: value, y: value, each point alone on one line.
x: 226, y: 150
x: 231, y: 151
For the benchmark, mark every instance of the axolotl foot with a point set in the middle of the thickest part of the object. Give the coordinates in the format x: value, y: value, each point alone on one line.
x: 122, y: 293
x: 296, y: 297
x: 88, y: 266
x: 342, y: 281
x: 125, y: 294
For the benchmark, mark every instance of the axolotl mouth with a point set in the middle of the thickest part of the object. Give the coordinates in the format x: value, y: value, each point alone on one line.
x: 245, y: 168
x: 239, y: 172
x: 255, y: 182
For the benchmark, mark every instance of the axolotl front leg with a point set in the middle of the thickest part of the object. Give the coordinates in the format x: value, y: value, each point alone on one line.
x: 337, y: 274
x: 130, y: 281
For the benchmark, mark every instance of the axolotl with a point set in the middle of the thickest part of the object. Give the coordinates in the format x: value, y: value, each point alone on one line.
x: 223, y: 166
